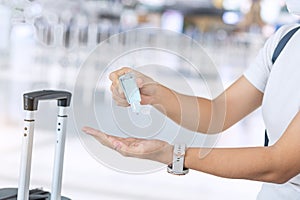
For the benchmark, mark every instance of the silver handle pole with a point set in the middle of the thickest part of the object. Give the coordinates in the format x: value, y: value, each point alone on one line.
x: 59, y: 154
x: 26, y: 154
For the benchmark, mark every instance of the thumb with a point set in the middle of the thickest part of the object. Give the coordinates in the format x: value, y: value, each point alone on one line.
x: 139, y: 82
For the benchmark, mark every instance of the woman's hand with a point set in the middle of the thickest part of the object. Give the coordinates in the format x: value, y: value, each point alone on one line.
x: 147, y: 86
x: 155, y: 150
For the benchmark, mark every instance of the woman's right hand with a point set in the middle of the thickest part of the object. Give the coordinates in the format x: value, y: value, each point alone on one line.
x: 148, y: 87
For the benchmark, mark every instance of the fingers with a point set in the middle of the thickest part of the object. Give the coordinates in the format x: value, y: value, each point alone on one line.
x: 119, y: 98
x: 139, y: 82
x: 118, y: 144
x: 117, y: 92
x: 120, y: 101
x: 107, y: 140
x: 93, y: 132
x: 101, y: 137
x: 114, y: 76
x: 125, y: 146
x: 134, y: 147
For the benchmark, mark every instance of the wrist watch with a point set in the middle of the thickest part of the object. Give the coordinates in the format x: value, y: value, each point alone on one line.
x: 177, y: 166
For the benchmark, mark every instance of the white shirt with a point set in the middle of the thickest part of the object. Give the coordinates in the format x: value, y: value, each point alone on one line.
x: 280, y: 84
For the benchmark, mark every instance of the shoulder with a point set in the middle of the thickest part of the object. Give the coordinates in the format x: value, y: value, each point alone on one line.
x: 273, y: 41
x: 258, y: 72
x: 285, y: 29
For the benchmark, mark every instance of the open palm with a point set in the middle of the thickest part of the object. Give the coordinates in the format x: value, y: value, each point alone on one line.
x: 156, y: 150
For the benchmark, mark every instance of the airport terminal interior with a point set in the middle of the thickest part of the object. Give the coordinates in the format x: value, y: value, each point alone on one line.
x: 197, y: 47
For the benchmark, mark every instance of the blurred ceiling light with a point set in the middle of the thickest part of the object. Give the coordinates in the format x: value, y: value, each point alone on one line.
x: 231, y: 18
x: 172, y: 20
x: 128, y: 19
x: 155, y: 3
x: 234, y: 4
x: 195, y: 3
x: 270, y: 10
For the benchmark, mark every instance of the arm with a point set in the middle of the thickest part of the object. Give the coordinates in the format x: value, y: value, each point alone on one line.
x: 195, y: 113
x: 276, y: 164
x: 213, y: 116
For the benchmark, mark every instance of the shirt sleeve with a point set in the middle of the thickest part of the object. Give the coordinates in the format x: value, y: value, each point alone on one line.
x: 258, y: 72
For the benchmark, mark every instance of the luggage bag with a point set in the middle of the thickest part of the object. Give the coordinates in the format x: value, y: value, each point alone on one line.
x: 30, y: 101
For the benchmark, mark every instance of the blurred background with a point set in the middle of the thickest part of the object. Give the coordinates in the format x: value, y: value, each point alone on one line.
x: 44, y: 43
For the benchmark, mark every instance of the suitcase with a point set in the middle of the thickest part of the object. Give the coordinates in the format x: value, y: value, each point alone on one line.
x: 31, y: 101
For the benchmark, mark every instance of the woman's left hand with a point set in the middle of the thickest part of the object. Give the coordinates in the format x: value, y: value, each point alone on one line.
x: 156, y: 150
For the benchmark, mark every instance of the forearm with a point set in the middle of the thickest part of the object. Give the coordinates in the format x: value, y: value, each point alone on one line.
x: 194, y: 113
x: 257, y: 163
x: 209, y: 116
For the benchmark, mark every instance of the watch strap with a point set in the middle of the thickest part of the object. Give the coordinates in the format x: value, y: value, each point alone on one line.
x: 177, y: 166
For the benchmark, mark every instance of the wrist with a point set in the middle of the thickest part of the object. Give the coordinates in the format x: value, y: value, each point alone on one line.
x: 158, y: 94
x: 163, y: 98
x: 166, y: 156
x: 186, y: 158
x: 191, y: 154
x: 163, y: 155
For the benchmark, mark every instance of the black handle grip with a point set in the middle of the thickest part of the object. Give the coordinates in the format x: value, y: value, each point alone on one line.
x: 31, y: 100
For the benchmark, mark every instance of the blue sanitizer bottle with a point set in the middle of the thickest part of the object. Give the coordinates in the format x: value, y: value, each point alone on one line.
x: 131, y: 91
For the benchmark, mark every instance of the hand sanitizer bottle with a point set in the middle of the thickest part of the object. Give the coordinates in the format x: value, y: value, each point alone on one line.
x: 131, y: 91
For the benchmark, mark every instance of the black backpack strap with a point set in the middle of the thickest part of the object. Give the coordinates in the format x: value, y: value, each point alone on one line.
x: 282, y: 43
x: 266, y: 138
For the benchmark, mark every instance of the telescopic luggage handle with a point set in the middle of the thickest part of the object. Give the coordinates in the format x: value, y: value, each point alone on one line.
x: 32, y: 99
